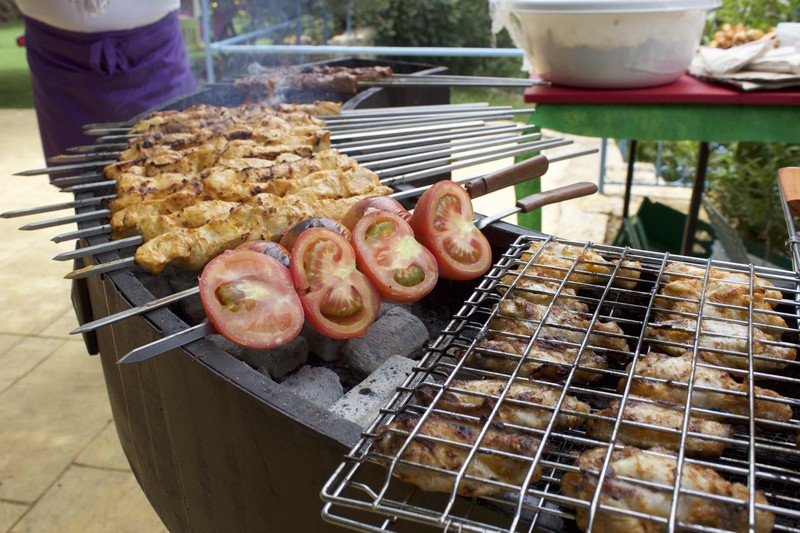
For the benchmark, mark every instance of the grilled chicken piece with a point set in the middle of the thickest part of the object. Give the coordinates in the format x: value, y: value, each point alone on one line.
x: 192, y: 248
x: 139, y: 218
x: 459, y: 437
x: 557, y: 258
x: 539, y: 291
x: 662, y: 377
x: 648, y: 467
x: 549, y: 359
x: 678, y: 335
x: 650, y: 418
x: 726, y: 305
x: 525, y: 404
x: 519, y: 316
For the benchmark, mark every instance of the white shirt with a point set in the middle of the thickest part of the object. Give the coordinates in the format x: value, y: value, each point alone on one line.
x: 92, y: 16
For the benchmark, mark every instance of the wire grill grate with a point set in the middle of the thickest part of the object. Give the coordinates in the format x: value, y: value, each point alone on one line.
x: 512, y: 420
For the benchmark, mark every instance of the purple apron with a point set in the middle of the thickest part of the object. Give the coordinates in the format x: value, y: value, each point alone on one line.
x: 80, y: 78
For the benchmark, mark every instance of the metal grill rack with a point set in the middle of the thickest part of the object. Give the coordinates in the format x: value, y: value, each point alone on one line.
x: 622, y: 299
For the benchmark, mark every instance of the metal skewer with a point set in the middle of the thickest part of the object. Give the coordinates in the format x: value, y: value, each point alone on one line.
x: 133, y: 311
x: 62, y: 169
x: 395, y: 158
x: 404, y: 178
x: 55, y: 207
x: 176, y: 340
x: 80, y: 217
x: 413, y: 171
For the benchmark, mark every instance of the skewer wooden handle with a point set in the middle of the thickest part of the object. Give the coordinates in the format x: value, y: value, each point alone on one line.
x: 568, y: 192
x: 789, y: 180
x: 532, y: 168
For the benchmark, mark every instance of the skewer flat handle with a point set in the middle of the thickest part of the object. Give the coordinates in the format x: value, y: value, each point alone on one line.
x: 560, y: 194
x: 535, y: 167
x: 789, y: 180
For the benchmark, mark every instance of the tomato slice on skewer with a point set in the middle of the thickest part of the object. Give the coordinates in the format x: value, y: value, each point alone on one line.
x: 339, y: 301
x: 443, y: 222
x: 386, y: 251
x: 250, y: 299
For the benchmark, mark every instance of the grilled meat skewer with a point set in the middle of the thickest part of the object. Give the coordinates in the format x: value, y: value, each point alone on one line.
x: 191, y: 248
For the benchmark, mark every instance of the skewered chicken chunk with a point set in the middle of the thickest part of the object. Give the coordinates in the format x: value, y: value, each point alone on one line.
x: 225, y: 141
x: 548, y: 359
x: 455, y: 437
x: 197, y: 116
x: 555, y: 260
x: 724, y: 327
x: 519, y: 316
x: 144, y: 218
x: 227, y: 182
x: 201, y: 116
x: 650, y: 418
x: 661, y: 377
x: 633, y: 463
x: 191, y: 248
x: 525, y: 404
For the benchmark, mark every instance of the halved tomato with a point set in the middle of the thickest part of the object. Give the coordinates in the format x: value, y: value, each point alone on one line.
x: 400, y: 267
x: 339, y: 301
x: 373, y: 203
x: 443, y: 222
x: 250, y: 299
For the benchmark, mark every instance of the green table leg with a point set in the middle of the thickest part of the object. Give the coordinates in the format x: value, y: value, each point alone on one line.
x: 532, y: 220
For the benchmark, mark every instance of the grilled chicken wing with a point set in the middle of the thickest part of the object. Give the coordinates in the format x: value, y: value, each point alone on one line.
x: 519, y: 316
x: 633, y: 463
x: 555, y: 259
x: 662, y: 377
x: 455, y: 437
x: 647, y: 433
x: 724, y: 344
x: 548, y: 359
x: 724, y: 328
x: 525, y: 404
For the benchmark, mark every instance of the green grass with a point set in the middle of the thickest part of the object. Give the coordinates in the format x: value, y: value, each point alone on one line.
x: 15, y: 79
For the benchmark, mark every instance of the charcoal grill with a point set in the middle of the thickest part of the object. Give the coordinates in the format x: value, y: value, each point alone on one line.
x: 364, y: 495
x: 214, y: 445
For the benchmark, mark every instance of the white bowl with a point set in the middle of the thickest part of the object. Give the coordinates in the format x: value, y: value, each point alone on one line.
x: 610, y: 44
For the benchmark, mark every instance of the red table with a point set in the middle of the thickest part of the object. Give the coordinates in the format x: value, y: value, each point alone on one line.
x: 688, y: 109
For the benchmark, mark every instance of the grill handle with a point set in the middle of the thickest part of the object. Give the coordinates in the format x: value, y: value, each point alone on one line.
x: 534, y: 167
x: 789, y: 180
x: 541, y: 199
